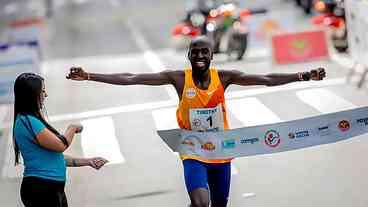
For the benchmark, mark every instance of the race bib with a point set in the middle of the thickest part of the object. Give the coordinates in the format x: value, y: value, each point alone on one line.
x: 207, y: 119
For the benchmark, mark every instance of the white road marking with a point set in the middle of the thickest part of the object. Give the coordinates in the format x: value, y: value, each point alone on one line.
x: 3, y: 112
x: 10, y: 8
x: 324, y: 100
x: 248, y: 195
x: 151, y: 58
x: 252, y: 53
x: 166, y: 119
x: 258, y: 53
x: 343, y: 60
x: 99, y: 140
x: 252, y: 112
x: 115, y: 3
x: 113, y: 110
x: 80, y: 1
x: 171, y: 103
x: 287, y: 87
x: 234, y: 170
x: 9, y: 170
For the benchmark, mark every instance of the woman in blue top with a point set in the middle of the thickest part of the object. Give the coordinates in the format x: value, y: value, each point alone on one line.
x: 42, y: 146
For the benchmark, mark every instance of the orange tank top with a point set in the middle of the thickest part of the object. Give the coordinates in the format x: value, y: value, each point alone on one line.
x: 202, y: 109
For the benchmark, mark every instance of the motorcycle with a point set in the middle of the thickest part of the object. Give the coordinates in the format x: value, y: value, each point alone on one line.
x: 226, y: 28
x: 194, y: 23
x: 224, y: 25
x: 306, y: 5
x: 192, y: 26
x: 333, y: 17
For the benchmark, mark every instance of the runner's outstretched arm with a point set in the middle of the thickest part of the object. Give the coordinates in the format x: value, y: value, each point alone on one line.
x: 160, y: 78
x: 273, y: 79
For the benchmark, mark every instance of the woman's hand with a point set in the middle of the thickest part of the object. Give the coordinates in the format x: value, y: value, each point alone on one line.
x: 78, y: 128
x: 97, y: 162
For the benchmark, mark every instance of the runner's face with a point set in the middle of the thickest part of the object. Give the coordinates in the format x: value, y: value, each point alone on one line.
x: 200, y: 57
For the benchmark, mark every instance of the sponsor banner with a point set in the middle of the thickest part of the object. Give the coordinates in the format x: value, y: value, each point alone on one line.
x: 14, y: 61
x: 299, y: 47
x: 270, y: 138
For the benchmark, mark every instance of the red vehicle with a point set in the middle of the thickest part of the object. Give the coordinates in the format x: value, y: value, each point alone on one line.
x: 189, y: 28
x: 224, y: 25
x: 333, y: 17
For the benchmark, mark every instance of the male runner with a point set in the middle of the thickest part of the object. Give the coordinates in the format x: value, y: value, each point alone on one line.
x: 201, y: 107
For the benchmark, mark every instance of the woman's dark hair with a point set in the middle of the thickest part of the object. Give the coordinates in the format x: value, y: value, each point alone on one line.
x: 27, y: 101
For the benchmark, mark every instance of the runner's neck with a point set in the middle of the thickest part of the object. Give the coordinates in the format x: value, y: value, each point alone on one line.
x: 202, y: 80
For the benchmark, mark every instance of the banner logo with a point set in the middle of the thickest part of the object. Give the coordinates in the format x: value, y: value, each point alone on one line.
x: 272, y: 138
x: 209, y: 146
x: 228, y: 144
x: 324, y: 130
x: 187, y: 142
x: 344, y: 125
x: 197, y: 122
x: 249, y: 140
x: 299, y: 134
x: 363, y: 121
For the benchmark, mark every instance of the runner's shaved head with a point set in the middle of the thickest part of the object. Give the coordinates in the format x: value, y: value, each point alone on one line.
x: 200, y: 41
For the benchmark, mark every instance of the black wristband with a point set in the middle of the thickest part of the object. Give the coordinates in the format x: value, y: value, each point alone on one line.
x: 74, y: 163
x: 306, y: 76
x: 64, y: 140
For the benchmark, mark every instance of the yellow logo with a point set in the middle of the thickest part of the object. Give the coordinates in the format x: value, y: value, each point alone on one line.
x: 299, y: 45
x: 208, y: 146
x: 187, y: 142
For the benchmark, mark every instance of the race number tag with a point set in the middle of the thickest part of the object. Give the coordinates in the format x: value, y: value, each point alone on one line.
x: 207, y: 119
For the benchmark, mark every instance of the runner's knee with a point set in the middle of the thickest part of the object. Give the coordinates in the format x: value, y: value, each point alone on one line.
x: 199, y: 198
x: 200, y: 203
x: 218, y: 203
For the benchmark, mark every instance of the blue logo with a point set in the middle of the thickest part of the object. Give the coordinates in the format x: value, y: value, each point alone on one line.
x: 228, y: 144
x: 363, y: 121
x: 324, y: 130
x: 249, y: 140
x: 299, y: 134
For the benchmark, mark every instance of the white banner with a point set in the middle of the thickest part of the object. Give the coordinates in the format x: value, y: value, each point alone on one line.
x: 271, y: 138
x: 14, y: 61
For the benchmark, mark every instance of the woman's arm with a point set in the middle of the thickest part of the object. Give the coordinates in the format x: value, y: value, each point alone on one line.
x: 71, y: 130
x: 50, y: 141
x: 96, y: 162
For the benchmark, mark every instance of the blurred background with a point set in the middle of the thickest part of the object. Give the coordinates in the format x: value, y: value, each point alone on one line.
x: 120, y: 122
